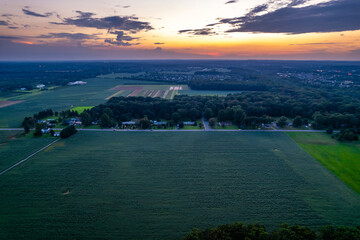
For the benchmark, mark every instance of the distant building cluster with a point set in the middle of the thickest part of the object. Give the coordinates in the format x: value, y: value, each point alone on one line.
x: 77, y: 83
x: 329, y: 78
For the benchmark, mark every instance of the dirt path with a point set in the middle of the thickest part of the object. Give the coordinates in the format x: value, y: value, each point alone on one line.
x: 28, y: 157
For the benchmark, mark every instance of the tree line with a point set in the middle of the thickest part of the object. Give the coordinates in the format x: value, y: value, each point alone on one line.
x: 249, y: 109
x: 239, y: 231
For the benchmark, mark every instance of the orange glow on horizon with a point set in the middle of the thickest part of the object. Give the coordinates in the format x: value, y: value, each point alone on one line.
x: 23, y: 42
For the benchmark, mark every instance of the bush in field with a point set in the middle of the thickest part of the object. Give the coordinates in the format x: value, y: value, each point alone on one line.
x: 176, y: 117
x: 85, y: 118
x: 239, y: 116
x: 106, y: 121
x: 68, y: 131
x: 28, y: 123
x: 297, y: 121
x: 329, y: 131
x: 208, y: 113
x: 346, y: 135
x: 212, y: 122
x: 38, y: 132
x: 282, y: 122
x: 145, y: 123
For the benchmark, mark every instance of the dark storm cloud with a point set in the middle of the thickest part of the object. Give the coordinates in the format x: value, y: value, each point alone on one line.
x: 8, y: 38
x: 3, y: 23
x: 199, y: 32
x: 122, y: 39
x: 297, y: 2
x: 124, y: 23
x: 275, y: 17
x: 26, y: 11
x: 85, y: 14
x: 73, y: 36
x: 231, y: 1
x: 337, y: 15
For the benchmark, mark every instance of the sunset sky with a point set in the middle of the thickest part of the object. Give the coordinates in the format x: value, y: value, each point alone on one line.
x: 173, y: 29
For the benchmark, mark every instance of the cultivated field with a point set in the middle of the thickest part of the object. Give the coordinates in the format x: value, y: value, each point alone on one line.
x: 8, y: 103
x: 342, y: 158
x: 58, y: 99
x: 161, y: 91
x: 14, y: 147
x: 160, y: 185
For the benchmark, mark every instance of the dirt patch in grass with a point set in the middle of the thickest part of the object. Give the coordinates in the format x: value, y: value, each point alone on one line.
x: 8, y: 103
x: 67, y: 192
x: 318, y: 142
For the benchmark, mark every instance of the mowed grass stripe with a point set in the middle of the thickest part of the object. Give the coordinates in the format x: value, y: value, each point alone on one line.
x: 342, y: 158
x: 111, y: 184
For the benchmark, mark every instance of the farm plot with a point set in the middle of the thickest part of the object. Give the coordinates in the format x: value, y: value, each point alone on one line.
x: 161, y: 91
x: 109, y: 185
x: 14, y: 148
x: 58, y: 99
x: 8, y: 103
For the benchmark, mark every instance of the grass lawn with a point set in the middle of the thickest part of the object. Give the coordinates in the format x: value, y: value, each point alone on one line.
x: 160, y: 185
x: 342, y: 158
x: 232, y: 127
x: 187, y: 127
x: 81, y: 109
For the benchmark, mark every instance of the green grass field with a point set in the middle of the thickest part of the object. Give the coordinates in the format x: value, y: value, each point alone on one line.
x: 81, y: 109
x: 342, y: 158
x: 160, y: 185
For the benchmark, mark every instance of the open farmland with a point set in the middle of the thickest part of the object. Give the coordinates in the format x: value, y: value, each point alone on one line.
x: 14, y: 148
x: 342, y: 158
x: 58, y: 99
x: 8, y: 103
x: 160, y: 185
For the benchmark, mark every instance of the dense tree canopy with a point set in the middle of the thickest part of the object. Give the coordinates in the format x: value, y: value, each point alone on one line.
x: 239, y: 231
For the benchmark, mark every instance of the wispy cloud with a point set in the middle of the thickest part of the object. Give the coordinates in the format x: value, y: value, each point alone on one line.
x: 26, y: 10
x: 199, y: 32
x: 73, y: 36
x: 3, y: 23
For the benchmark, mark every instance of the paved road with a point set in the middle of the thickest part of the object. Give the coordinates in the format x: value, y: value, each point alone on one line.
x: 179, y: 130
x: 28, y: 157
x: 207, y: 125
